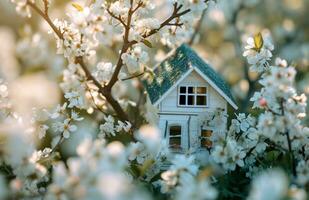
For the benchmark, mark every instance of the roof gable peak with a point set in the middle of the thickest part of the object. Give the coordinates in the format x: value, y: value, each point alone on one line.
x: 170, y: 70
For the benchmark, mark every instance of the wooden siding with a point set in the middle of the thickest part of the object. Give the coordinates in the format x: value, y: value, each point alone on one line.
x: 215, y: 100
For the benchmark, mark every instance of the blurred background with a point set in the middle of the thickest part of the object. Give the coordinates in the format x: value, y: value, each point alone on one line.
x: 222, y: 34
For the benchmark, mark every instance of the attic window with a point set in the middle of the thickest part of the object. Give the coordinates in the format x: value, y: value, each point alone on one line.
x: 192, y: 96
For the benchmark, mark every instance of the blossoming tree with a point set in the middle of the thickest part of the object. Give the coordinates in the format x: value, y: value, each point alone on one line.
x: 126, y: 157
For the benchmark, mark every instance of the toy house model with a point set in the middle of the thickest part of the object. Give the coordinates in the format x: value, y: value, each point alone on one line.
x: 183, y: 90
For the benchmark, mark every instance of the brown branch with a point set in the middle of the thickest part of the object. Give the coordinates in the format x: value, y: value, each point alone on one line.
x: 103, y: 90
x: 174, y: 15
x: 139, y: 4
x: 61, y: 139
x: 198, y: 26
x: 287, y: 133
x: 174, y: 24
x: 46, y: 17
x: 132, y: 77
x: 106, y: 90
x: 117, y: 18
x: 124, y: 49
x: 128, y: 44
x: 45, y: 2
x: 106, y: 93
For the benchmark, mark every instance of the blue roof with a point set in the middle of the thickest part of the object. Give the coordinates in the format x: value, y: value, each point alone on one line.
x: 175, y: 66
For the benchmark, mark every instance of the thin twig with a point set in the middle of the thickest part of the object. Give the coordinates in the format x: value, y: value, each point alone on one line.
x: 106, y: 90
x: 132, y: 77
x: 61, y: 139
x: 110, y: 99
x: 128, y: 44
x: 198, y: 26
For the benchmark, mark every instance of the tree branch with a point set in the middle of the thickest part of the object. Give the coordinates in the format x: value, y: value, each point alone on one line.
x: 106, y: 90
x: 79, y: 60
x: 117, y: 18
x: 128, y: 44
x: 198, y: 26
x: 134, y: 76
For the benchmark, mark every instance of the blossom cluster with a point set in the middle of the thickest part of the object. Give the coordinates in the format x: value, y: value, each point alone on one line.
x: 278, y: 128
x: 107, y: 167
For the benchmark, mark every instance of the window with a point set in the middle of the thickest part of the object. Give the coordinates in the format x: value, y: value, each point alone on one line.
x: 175, y: 137
x: 205, y: 139
x: 192, y: 96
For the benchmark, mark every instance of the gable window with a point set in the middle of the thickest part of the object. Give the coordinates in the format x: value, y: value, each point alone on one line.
x: 192, y: 96
x: 175, y: 137
x: 205, y: 139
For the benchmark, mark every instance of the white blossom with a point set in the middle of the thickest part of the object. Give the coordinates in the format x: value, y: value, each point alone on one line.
x: 261, y: 190
x: 258, y: 56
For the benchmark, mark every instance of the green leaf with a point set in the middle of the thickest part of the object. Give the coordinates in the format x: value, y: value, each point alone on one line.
x: 147, y: 43
x: 78, y: 7
x: 258, y: 42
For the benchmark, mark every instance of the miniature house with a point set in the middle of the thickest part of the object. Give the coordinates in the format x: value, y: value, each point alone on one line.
x: 183, y: 90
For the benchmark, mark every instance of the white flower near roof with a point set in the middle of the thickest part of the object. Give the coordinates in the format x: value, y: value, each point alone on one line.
x: 79, y: 15
x: 144, y: 26
x: 258, y: 52
x: 119, y: 8
x: 261, y: 189
x: 72, y: 44
x: 131, y: 63
x: 135, y: 60
x: 104, y: 72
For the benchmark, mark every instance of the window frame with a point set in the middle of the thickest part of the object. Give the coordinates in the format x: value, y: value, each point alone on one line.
x: 175, y: 136
x: 205, y: 137
x: 195, y: 95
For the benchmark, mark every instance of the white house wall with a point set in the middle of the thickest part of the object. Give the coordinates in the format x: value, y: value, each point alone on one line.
x: 172, y: 114
x: 215, y: 100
